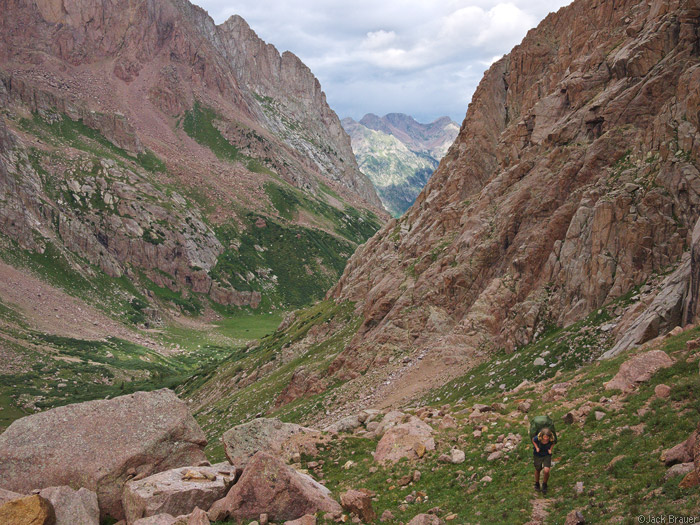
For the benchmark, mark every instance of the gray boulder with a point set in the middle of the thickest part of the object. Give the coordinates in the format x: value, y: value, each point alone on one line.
x: 100, y: 445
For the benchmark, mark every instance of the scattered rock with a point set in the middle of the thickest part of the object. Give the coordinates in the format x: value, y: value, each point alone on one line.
x: 457, y: 456
x: 524, y: 406
x: 30, y: 510
x: 407, y: 440
x: 679, y: 469
x: 690, y: 480
x: 271, y: 436
x: 360, y: 503
x: 176, y: 492
x: 102, y: 445
x: 639, y: 369
x: 425, y: 519
x: 578, y: 489
x: 272, y: 487
x: 568, y: 418
x: 307, y: 519
x: 386, y: 516
x: 416, y: 476
x: 73, y: 506
x: 662, y: 391
x: 487, y: 479
x: 494, y: 455
x: 198, y: 517
x: 448, y: 422
x: 681, y: 453
x: 539, y: 362
x: 347, y: 424
x: 599, y: 415
x: 575, y: 517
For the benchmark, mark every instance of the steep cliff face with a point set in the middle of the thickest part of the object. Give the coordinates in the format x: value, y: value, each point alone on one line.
x: 399, y: 154
x: 574, y: 179
x: 146, y: 138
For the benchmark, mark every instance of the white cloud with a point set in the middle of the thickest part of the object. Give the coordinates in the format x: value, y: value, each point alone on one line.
x: 421, y: 57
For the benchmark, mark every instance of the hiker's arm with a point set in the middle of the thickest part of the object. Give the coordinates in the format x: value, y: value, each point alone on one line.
x: 535, y: 443
x: 551, y: 449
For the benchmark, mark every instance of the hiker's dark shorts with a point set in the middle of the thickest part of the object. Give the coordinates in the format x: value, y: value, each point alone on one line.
x: 543, y: 461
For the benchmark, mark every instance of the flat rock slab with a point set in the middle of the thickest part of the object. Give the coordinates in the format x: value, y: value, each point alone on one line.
x: 177, y: 491
x: 268, y: 435
x: 73, y: 506
x: 99, y: 445
x: 30, y: 510
x: 269, y: 486
x: 639, y: 369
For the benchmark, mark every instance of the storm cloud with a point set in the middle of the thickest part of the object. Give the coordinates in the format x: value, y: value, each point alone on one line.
x: 421, y: 57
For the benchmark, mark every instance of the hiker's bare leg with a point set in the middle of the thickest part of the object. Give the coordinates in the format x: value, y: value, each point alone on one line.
x: 537, y: 476
x: 545, y: 475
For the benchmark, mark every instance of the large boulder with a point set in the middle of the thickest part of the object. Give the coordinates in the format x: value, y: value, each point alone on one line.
x: 197, y: 517
x: 100, y: 445
x: 681, y: 453
x: 31, y: 510
x: 639, y: 369
x: 359, y: 502
x: 6, y: 495
x: 176, y: 492
x: 269, y: 486
x: 73, y: 506
x: 406, y: 440
x: 268, y: 435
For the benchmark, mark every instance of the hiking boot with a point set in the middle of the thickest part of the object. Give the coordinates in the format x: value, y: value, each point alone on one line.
x: 544, y: 488
x: 537, y: 487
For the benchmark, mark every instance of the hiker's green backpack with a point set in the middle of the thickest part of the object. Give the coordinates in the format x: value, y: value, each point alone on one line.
x: 540, y: 422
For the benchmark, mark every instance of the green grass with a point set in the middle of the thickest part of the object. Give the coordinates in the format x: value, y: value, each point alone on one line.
x: 305, y: 261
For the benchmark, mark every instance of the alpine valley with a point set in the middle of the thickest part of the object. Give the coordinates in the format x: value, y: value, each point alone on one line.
x: 207, y: 315
x: 399, y: 154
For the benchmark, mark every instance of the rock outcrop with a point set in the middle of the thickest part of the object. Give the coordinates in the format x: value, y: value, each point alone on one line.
x: 639, y: 369
x: 268, y: 486
x: 100, y: 445
x: 574, y: 178
x: 282, y: 440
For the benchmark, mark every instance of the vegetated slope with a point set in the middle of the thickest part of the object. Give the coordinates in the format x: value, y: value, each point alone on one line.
x: 399, y: 154
x: 155, y: 166
x: 574, y: 180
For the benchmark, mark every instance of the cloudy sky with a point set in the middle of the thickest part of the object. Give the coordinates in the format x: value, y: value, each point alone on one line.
x: 421, y: 57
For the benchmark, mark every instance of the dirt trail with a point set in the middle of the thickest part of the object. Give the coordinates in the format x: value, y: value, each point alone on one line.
x: 51, y: 310
x: 539, y: 511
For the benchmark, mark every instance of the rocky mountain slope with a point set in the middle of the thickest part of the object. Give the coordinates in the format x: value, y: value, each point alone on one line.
x: 572, y: 190
x: 156, y: 167
x: 146, y: 140
x: 399, y: 154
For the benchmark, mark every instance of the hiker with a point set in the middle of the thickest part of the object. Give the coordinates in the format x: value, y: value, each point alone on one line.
x: 543, y: 442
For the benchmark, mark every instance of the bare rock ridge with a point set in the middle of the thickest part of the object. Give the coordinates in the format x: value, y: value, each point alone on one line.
x: 110, y: 107
x: 574, y: 179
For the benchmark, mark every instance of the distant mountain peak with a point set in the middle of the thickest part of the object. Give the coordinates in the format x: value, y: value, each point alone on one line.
x: 399, y: 154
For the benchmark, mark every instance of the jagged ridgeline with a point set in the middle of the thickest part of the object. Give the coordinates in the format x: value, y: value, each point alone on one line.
x: 563, y: 216
x: 156, y: 167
